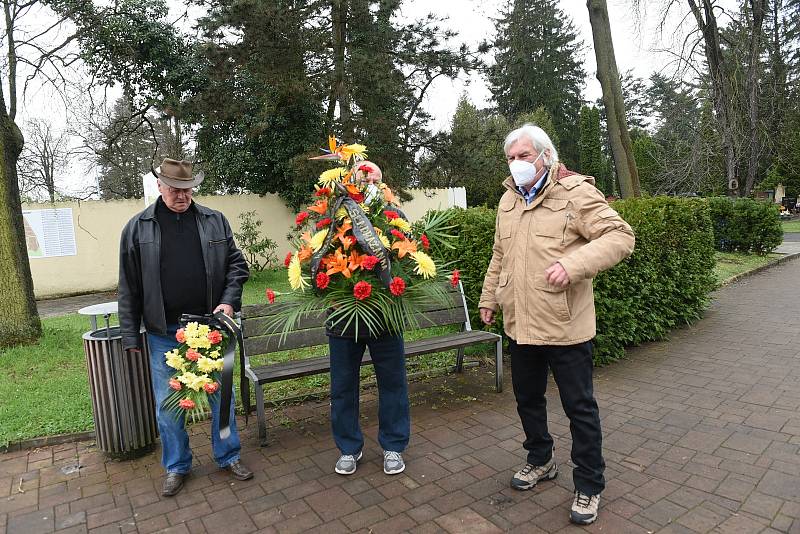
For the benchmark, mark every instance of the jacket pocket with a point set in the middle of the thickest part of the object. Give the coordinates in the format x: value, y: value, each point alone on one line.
x: 554, y: 299
x: 552, y: 218
x: 502, y: 288
x: 506, y: 225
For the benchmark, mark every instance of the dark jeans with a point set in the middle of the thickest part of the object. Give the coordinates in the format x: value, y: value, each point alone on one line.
x: 394, y: 421
x: 572, y: 371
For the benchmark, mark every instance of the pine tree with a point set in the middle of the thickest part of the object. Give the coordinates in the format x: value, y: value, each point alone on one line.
x: 538, y: 62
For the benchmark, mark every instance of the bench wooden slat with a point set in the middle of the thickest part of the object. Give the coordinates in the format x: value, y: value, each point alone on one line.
x: 321, y: 364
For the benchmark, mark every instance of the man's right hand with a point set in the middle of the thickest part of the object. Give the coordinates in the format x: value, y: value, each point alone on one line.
x: 134, y: 350
x: 487, y: 315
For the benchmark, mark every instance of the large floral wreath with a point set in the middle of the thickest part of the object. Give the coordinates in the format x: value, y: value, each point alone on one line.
x: 359, y: 257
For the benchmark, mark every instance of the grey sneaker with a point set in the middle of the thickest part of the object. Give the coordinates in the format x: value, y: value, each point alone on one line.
x: 528, y: 476
x: 584, y: 508
x: 393, y: 463
x: 347, y: 463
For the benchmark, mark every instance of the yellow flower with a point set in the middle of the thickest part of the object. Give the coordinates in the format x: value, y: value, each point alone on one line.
x: 193, y: 381
x: 214, y: 354
x: 200, y: 341
x: 318, y: 239
x: 219, y: 364
x: 359, y: 151
x: 206, y: 365
x: 425, y: 265
x: 341, y: 213
x: 296, y: 280
x: 332, y: 175
x: 401, y: 224
x: 175, y: 360
x: 385, y: 242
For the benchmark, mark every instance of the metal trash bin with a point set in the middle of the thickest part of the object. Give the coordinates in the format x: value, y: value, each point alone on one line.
x: 122, y: 392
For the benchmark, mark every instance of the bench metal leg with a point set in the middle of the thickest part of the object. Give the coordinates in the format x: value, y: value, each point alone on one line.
x: 498, y: 366
x: 262, y: 416
x: 460, y: 360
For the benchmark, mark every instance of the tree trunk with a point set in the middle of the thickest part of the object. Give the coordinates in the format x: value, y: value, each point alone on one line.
x: 339, y: 90
x: 758, y: 10
x: 707, y: 24
x: 19, y: 320
x: 607, y: 74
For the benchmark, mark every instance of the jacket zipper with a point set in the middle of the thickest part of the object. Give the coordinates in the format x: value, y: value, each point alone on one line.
x: 564, y: 231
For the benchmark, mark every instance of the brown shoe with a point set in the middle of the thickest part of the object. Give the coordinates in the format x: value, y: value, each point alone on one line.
x: 172, y: 484
x: 239, y: 471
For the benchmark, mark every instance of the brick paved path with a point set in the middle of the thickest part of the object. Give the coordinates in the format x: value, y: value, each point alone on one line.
x: 702, y: 434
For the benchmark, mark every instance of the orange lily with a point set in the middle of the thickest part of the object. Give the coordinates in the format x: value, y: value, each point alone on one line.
x: 321, y: 206
x: 342, y: 229
x: 339, y: 264
x: 388, y: 196
x: 304, y: 253
x: 306, y: 236
x: 355, y: 260
x: 404, y: 247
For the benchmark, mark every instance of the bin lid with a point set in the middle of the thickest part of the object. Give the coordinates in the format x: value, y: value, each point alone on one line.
x: 104, y: 308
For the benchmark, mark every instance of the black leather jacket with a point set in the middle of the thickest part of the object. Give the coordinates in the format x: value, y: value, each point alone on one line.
x: 140, y: 297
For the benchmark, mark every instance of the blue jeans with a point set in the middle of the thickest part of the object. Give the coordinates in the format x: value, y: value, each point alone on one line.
x: 394, y: 420
x: 176, y: 456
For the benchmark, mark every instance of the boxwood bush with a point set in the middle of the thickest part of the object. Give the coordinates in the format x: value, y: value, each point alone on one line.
x: 745, y: 225
x: 663, y: 285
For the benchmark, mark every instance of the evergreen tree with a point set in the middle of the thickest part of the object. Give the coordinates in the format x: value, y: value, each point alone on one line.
x: 591, y: 160
x: 541, y: 118
x: 538, y: 62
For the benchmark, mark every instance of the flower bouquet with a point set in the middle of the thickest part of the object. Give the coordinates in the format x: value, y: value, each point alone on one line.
x: 197, y: 361
x: 359, y: 258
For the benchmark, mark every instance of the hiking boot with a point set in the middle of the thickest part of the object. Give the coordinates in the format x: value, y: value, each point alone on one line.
x: 347, y: 463
x: 528, y: 476
x: 584, y: 508
x: 393, y: 463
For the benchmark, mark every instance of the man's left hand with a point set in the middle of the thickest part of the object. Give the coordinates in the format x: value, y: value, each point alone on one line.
x: 557, y: 276
x: 227, y: 309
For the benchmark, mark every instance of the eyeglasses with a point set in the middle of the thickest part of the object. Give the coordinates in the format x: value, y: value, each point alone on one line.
x: 176, y: 191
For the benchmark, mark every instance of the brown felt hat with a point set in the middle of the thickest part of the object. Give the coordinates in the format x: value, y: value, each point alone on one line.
x: 178, y: 174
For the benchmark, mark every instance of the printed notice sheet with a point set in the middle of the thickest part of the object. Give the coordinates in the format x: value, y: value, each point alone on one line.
x: 49, y: 233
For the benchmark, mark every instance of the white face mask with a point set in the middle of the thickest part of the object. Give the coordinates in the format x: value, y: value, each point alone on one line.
x: 524, y: 172
x: 372, y: 192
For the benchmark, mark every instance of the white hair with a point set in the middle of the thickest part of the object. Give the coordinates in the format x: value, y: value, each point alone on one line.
x: 538, y: 138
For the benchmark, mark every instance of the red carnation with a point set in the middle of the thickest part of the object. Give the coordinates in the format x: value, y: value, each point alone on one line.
x: 323, y: 223
x: 186, y: 404
x: 325, y: 191
x: 180, y: 336
x: 323, y: 280
x: 391, y: 215
x: 174, y: 384
x: 455, y: 278
x: 288, y: 259
x: 301, y: 217
x: 362, y: 290
x: 215, y: 336
x: 366, y: 168
x: 425, y: 242
x: 369, y: 262
x: 358, y: 197
x: 397, y: 286
x: 211, y: 388
x: 270, y: 296
x: 398, y: 234
x: 192, y: 355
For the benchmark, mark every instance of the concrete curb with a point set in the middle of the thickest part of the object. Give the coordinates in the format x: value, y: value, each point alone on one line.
x: 46, y: 441
x: 777, y: 261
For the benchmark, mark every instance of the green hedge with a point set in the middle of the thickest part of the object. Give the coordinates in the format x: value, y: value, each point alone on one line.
x: 663, y: 285
x: 745, y: 225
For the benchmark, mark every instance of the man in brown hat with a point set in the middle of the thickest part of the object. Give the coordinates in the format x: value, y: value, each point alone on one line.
x: 179, y: 257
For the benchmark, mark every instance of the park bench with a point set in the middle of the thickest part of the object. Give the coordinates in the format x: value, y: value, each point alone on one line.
x: 260, y: 339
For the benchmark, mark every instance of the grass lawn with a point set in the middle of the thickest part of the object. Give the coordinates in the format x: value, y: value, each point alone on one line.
x: 46, y: 388
x: 732, y: 263
x: 791, y: 226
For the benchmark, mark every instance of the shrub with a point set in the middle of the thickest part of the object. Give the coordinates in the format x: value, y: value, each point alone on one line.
x: 258, y: 251
x: 663, y: 285
x: 667, y: 280
x: 745, y: 225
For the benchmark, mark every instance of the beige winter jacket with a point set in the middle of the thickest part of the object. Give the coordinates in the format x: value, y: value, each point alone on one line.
x: 568, y: 222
